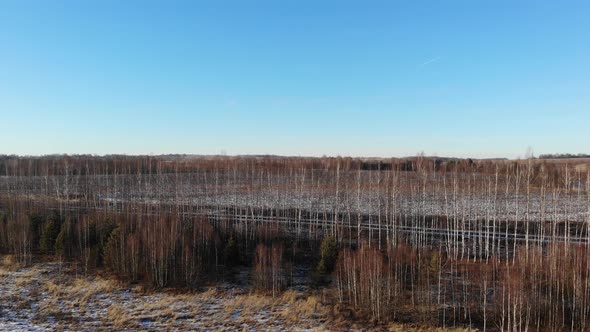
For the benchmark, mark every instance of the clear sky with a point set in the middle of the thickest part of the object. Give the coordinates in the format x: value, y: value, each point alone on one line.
x: 360, y: 78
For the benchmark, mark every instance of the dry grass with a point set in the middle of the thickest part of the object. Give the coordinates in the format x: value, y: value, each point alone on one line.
x: 69, y: 301
x: 83, y: 289
x: 210, y: 293
x: 32, y: 272
x: 215, y: 308
x: 18, y: 301
x: 305, y: 309
x: 248, y: 304
x: 120, y: 317
x: 51, y: 308
x: 289, y: 296
x: 24, y: 281
x: 60, y: 315
x: 414, y: 328
x: 170, y: 307
x: 164, y: 303
x: 48, y: 306
x: 9, y: 263
x: 291, y: 306
x: 53, y: 289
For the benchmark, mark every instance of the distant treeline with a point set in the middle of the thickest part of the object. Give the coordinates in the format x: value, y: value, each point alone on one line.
x: 11, y: 165
x: 50, y: 165
x: 564, y: 156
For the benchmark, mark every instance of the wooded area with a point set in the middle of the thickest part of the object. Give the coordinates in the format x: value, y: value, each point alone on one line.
x: 493, y: 244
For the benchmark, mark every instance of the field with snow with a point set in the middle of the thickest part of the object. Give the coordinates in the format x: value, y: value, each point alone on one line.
x: 49, y: 296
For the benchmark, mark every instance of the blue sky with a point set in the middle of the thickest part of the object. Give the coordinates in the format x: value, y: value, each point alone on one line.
x: 360, y: 78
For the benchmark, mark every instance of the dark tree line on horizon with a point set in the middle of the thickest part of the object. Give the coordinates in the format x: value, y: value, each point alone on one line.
x: 564, y: 156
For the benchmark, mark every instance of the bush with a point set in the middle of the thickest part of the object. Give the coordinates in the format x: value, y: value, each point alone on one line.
x: 231, y: 252
x: 329, y: 254
x: 48, y: 236
x: 36, y: 222
x: 64, y: 243
x: 111, y: 251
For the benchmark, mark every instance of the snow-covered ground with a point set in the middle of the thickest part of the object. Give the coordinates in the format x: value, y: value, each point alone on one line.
x: 474, y: 198
x: 49, y: 296
x: 46, y: 297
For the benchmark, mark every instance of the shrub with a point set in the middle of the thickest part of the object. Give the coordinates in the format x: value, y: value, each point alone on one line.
x: 48, y: 236
x: 64, y: 243
x: 329, y: 254
x: 36, y: 221
x: 111, y: 251
x: 231, y: 252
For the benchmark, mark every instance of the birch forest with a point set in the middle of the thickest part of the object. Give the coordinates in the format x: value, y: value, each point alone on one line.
x: 493, y: 245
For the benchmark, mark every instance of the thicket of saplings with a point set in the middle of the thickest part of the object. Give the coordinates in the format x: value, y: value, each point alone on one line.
x: 516, y: 259
x: 545, y: 287
x: 164, y: 251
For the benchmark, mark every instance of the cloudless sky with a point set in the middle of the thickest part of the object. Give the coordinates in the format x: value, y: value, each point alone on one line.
x: 360, y: 78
